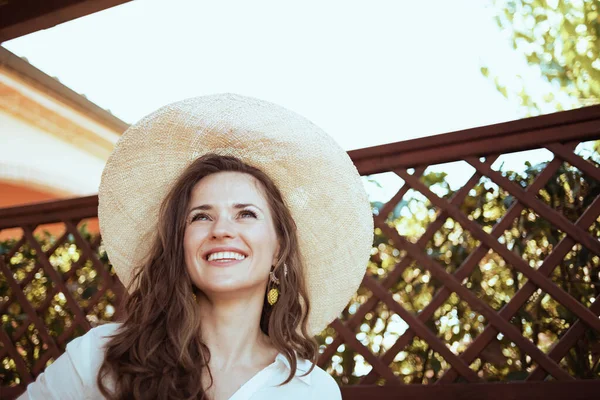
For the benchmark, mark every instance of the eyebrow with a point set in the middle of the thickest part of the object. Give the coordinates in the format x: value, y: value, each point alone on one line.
x: 236, y: 205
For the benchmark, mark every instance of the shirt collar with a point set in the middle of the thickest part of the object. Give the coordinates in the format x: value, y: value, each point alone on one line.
x: 302, y: 366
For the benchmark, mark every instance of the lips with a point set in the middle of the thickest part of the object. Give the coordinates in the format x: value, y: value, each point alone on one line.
x: 224, y: 263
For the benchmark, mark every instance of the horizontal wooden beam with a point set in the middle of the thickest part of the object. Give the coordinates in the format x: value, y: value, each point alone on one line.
x: 572, y: 390
x: 21, y: 17
x: 531, y: 133
x: 49, y: 212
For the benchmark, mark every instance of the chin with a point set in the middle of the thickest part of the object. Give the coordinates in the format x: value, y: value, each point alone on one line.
x: 222, y: 287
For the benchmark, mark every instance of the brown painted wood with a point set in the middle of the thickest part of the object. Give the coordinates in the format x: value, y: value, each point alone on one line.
x: 370, y: 304
x: 31, y: 275
x: 49, y: 212
x: 67, y: 334
x: 544, y: 210
x: 396, y: 273
x: 48, y: 218
x: 350, y: 340
x: 532, y: 133
x: 15, y: 248
x: 32, y: 315
x: 511, y: 258
x: 523, y: 294
x: 40, y: 363
x: 12, y: 352
x: 417, y: 326
x: 534, y: 124
x: 443, y: 293
x: 469, y: 265
x: 38, y: 209
x: 391, y: 204
x: 566, y: 154
x: 21, y: 17
x: 453, y: 284
x: 560, y: 348
x: 78, y: 314
x: 579, y: 390
x: 398, y: 269
x: 551, y: 131
x: 572, y: 390
x: 87, y: 251
x: 21, y: 329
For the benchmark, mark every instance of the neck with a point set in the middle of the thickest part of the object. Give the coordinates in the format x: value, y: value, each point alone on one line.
x: 231, y: 329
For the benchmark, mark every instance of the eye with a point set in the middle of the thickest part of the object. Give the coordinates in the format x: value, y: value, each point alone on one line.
x: 200, y: 216
x: 248, y: 213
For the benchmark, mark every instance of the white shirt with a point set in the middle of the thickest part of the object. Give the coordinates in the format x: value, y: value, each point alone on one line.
x: 73, y: 375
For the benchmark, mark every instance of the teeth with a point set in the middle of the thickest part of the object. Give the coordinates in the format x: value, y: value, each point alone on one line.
x: 229, y: 255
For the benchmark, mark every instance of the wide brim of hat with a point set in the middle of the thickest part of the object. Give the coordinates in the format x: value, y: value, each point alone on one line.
x: 316, y: 177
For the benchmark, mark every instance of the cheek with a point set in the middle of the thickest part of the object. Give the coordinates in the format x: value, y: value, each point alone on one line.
x: 269, y: 243
x: 192, y: 239
x: 263, y: 236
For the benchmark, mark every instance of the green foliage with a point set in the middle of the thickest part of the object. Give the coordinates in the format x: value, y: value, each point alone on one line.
x: 79, y: 276
x: 541, y: 319
x: 561, y: 38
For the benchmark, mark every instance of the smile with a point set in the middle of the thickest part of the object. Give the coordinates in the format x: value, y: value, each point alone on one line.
x: 224, y: 256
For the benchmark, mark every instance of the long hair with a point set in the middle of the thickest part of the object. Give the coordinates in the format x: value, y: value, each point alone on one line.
x: 158, y: 351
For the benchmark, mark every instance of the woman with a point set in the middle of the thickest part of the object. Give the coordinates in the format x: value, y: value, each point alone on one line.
x: 240, y: 230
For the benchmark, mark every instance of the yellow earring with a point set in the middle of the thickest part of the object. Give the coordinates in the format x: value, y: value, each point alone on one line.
x: 273, y: 294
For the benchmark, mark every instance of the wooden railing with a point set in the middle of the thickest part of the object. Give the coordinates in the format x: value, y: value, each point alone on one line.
x: 45, y: 299
x: 494, y: 280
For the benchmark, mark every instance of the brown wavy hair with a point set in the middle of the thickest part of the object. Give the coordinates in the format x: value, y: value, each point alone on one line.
x: 158, y: 351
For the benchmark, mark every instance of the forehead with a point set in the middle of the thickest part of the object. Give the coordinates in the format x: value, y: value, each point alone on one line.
x: 228, y: 188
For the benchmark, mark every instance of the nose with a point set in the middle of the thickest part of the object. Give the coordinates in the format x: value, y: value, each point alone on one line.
x: 222, y: 227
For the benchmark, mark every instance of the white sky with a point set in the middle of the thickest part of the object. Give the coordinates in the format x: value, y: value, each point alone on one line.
x: 368, y: 73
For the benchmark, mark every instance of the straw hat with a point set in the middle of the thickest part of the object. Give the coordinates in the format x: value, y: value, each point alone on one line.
x: 319, y: 183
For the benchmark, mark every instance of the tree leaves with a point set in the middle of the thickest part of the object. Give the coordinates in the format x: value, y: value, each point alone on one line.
x: 562, y: 40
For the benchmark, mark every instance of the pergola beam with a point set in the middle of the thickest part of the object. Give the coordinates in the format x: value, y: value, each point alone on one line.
x: 21, y: 17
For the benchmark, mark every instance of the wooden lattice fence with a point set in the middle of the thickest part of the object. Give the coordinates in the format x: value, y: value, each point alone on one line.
x: 494, y: 277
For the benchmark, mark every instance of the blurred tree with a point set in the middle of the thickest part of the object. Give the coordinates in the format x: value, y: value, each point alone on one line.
x: 560, y: 39
x: 79, y: 276
x: 541, y: 319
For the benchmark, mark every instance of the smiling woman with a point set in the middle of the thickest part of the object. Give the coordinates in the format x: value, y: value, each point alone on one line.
x: 219, y: 214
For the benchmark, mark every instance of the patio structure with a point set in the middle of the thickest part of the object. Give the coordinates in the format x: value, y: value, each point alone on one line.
x: 460, y: 300
x: 460, y: 369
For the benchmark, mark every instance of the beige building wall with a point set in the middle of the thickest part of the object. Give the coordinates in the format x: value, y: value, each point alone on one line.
x: 53, y: 142
x: 31, y: 157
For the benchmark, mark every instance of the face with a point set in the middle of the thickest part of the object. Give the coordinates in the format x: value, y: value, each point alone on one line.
x: 230, y: 242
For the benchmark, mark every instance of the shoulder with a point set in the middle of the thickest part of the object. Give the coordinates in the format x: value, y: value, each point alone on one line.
x: 87, y: 351
x: 95, y: 339
x: 73, y: 374
x: 323, y: 385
